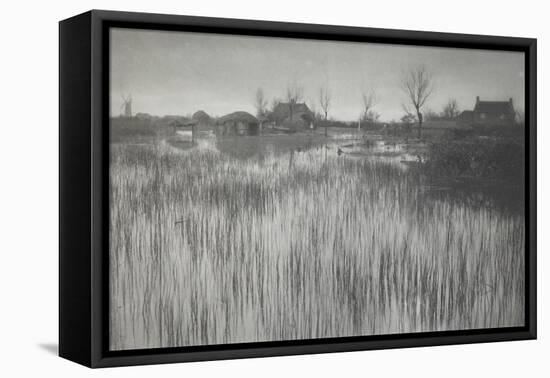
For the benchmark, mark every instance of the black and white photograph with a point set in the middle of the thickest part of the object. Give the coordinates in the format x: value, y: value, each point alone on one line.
x: 249, y: 189
x: 274, y: 189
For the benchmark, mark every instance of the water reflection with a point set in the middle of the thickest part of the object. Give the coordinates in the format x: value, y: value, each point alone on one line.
x: 471, y: 192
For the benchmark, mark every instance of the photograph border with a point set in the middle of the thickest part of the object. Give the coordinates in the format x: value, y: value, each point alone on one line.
x: 95, y: 25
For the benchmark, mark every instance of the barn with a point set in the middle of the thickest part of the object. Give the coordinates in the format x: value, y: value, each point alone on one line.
x: 238, y: 123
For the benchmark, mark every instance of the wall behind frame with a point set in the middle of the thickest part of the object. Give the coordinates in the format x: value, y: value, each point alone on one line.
x: 29, y: 190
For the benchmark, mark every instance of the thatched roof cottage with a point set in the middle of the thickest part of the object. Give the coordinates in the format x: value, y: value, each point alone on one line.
x: 238, y: 123
x: 294, y: 116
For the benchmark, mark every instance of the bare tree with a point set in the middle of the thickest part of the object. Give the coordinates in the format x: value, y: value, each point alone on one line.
x: 372, y: 116
x: 370, y: 99
x: 431, y: 115
x: 294, y: 94
x: 260, y: 103
x: 418, y: 86
x: 325, y: 98
x: 408, y: 118
x: 314, y: 110
x: 274, y: 102
x: 450, y: 110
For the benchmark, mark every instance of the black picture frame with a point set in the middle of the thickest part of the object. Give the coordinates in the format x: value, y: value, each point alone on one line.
x: 84, y: 196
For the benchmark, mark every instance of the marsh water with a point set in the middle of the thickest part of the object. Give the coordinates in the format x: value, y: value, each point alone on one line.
x: 251, y: 239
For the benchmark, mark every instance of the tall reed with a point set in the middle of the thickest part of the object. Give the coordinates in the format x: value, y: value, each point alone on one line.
x: 208, y: 249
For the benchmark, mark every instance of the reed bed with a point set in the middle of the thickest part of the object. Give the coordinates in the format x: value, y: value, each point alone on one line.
x: 209, y: 249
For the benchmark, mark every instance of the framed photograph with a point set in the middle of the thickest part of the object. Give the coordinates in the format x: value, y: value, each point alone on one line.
x: 234, y: 188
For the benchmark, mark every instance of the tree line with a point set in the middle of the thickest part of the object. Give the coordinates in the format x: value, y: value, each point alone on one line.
x: 416, y: 84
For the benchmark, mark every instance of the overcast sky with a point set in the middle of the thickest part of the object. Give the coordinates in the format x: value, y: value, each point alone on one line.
x: 179, y: 73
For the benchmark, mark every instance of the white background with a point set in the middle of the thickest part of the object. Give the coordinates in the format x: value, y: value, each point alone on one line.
x: 29, y: 187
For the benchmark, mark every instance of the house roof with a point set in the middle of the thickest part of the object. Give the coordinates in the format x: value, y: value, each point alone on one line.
x: 494, y: 107
x: 239, y: 116
x: 201, y: 116
x: 282, y: 111
x: 183, y: 122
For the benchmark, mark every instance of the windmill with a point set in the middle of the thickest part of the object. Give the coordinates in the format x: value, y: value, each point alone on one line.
x: 126, y: 105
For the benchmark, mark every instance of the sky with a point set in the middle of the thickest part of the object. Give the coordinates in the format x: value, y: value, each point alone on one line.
x: 178, y: 73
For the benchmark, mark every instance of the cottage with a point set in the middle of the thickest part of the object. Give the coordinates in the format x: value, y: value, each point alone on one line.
x: 238, y: 123
x: 293, y: 116
x: 490, y: 113
x: 144, y: 116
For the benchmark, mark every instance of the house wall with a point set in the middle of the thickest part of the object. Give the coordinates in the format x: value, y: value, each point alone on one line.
x: 241, y: 128
x: 237, y: 128
x: 441, y: 124
x: 493, y: 119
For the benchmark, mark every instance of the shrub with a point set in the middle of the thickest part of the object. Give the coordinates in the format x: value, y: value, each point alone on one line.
x: 480, y: 157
